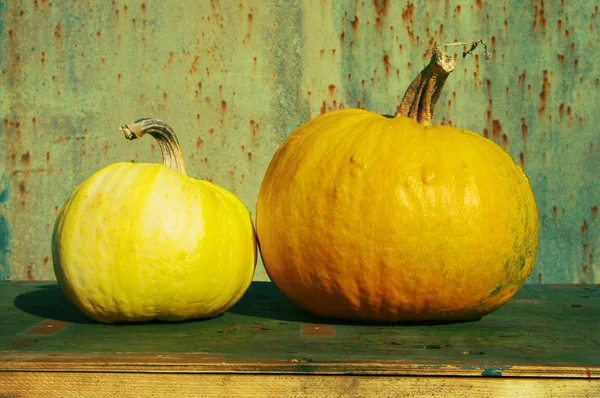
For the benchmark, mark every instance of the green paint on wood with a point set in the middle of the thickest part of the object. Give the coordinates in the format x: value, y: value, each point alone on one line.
x: 234, y: 79
x: 536, y: 327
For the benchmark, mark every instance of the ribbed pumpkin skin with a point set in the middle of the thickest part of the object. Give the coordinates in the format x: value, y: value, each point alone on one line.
x: 364, y: 217
x: 137, y: 242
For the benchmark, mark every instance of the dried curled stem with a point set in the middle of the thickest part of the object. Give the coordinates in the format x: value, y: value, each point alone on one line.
x: 421, y: 97
x: 164, y: 135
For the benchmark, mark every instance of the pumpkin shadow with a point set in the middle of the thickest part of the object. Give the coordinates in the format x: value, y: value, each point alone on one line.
x: 50, y: 302
x: 264, y: 300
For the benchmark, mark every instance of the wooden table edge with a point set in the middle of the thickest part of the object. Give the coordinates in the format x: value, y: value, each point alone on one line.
x: 206, y: 363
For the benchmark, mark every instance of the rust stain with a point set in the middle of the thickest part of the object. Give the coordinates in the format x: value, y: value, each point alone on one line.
x: 457, y: 10
x: 408, y: 14
x: 381, y: 7
x: 165, y: 96
x: 540, y: 278
x: 496, y: 130
x: 20, y: 344
x: 30, y: 276
x: 194, y: 69
x: 543, y: 94
x: 48, y: 328
x: 504, y: 139
x: 199, y: 143
x: 254, y: 128
x: 524, y: 130
x: 324, y: 107
x: 386, y: 64
x: 522, y: 78
x: 223, y: 107
x: 595, y: 213
x: 555, y: 213
x: 313, y: 330
x: 539, y: 17
x: 331, y: 89
x: 250, y: 156
x: 561, y: 109
x: 522, y: 160
x: 354, y: 24
x: 583, y: 229
x: 26, y: 159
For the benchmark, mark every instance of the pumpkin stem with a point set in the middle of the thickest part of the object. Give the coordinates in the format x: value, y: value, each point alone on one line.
x: 163, y: 133
x: 420, y: 100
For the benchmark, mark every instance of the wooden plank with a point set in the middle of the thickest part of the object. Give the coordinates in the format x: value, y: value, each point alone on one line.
x: 102, y: 384
x: 211, y: 363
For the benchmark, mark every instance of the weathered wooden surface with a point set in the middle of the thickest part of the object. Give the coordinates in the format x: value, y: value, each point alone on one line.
x: 266, y: 346
x: 98, y: 384
x: 546, y: 326
x: 234, y: 78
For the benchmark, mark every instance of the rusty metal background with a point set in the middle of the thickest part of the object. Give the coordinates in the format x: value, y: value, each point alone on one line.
x: 235, y: 78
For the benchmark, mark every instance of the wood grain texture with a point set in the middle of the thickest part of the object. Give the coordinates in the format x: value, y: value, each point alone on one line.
x: 92, y: 384
x: 212, y: 364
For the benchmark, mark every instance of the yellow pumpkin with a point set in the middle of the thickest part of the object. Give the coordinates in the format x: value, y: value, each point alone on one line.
x: 137, y: 242
x: 366, y: 217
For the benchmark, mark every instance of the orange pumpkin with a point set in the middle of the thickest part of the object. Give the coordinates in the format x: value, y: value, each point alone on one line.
x: 366, y: 217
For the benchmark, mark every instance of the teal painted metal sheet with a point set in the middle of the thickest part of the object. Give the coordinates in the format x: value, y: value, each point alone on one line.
x: 235, y: 78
